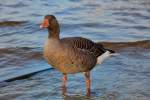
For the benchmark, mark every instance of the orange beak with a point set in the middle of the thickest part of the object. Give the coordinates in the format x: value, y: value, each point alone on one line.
x: 44, y: 24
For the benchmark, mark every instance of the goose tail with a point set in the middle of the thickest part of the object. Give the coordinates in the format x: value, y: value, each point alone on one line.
x: 111, y: 51
x: 105, y: 56
x: 102, y: 57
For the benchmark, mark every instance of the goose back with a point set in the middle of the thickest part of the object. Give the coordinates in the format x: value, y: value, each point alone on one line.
x: 85, y: 44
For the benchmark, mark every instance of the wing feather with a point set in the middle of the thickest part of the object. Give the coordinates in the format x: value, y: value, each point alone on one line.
x: 85, y: 44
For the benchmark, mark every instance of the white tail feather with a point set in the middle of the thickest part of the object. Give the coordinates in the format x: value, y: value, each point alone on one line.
x: 104, y: 56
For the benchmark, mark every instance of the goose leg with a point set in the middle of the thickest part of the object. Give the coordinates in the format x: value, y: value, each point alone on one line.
x: 88, y: 83
x: 64, y: 84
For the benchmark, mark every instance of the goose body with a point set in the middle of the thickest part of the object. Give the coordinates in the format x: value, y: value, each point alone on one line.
x: 66, y: 56
x: 73, y: 54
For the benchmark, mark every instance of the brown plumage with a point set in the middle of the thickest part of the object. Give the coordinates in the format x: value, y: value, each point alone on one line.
x: 72, y: 54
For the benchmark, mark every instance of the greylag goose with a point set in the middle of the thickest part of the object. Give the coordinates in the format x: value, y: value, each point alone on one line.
x: 71, y: 55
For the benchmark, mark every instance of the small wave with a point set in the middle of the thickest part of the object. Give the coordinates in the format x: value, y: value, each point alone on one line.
x: 19, y: 56
x: 141, y: 27
x: 11, y: 23
x: 75, y: 0
x: 117, y: 46
x: 135, y: 14
x: 90, y: 25
x: 22, y: 53
x: 17, y: 5
x: 126, y: 20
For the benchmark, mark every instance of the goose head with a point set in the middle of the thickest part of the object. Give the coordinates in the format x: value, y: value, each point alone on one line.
x: 50, y: 22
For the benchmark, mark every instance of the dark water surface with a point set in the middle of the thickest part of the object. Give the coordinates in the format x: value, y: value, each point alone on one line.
x: 123, y: 25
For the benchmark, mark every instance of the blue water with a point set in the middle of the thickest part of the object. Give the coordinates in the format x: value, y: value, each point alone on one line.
x: 122, y: 77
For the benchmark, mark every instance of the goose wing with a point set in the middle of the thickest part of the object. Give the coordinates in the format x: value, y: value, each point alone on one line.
x: 85, y: 44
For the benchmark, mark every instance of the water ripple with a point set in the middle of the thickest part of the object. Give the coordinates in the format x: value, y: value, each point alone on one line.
x: 12, y: 23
